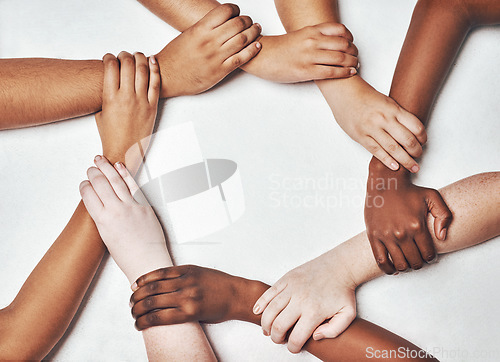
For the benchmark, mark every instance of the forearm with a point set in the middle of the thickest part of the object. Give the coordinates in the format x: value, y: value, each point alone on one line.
x: 180, y: 14
x: 35, y: 91
x: 42, y: 310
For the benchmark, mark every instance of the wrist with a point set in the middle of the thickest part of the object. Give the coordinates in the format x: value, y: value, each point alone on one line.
x: 246, y: 293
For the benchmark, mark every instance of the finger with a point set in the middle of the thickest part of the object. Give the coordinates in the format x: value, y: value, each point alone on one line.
x: 273, y: 309
x: 161, y: 318
x: 336, y: 58
x: 242, y: 57
x: 396, y: 151
x: 336, y: 43
x: 111, y: 81
x: 157, y: 287
x: 411, y: 253
x: 240, y: 41
x: 127, y: 72
x: 161, y: 301
x: 301, y: 332
x: 331, y: 72
x: 115, y: 180
x: 442, y: 214
x: 382, y: 257
x: 154, y: 81
x: 127, y: 178
x: 397, y: 256
x: 283, y: 322
x: 102, y: 187
x: 336, y: 325
x: 232, y: 27
x: 425, y: 245
x: 219, y: 16
x: 159, y: 274
x: 90, y: 199
x: 335, y: 29
x: 268, y: 296
x: 413, y: 124
x: 405, y: 138
x: 376, y: 150
x: 141, y: 74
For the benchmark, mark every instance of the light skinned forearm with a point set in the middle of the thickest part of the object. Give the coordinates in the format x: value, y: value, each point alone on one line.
x: 44, y: 307
x: 35, y: 91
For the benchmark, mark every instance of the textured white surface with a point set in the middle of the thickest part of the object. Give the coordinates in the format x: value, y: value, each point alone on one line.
x: 276, y: 134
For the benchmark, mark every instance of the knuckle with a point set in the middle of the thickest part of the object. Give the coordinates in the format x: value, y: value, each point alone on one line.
x: 152, y: 319
x: 149, y: 302
x: 229, y: 9
x: 241, y: 39
x: 344, y: 44
x: 381, y: 260
x: 236, y: 62
x: 400, y: 234
x: 415, y: 225
x: 153, y: 286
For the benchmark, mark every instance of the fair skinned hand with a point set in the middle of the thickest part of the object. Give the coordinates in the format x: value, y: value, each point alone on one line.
x: 321, y: 289
x: 322, y: 51
x: 379, y: 124
x: 131, y: 231
x: 130, y: 100
x: 396, y: 214
x: 205, y: 53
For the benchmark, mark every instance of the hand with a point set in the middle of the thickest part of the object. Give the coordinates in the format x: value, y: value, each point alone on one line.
x: 396, y: 219
x: 205, y: 53
x: 304, y: 298
x: 314, y: 52
x: 130, y: 102
x: 190, y: 293
x: 380, y: 125
x: 130, y: 231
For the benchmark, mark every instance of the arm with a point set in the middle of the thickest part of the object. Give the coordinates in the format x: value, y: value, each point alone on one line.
x: 131, y: 231
x: 221, y: 297
x: 317, y: 52
x: 38, y: 91
x: 436, y: 33
x: 379, y: 124
x: 308, y: 295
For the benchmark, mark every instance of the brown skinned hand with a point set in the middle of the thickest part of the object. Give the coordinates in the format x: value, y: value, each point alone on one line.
x: 395, y: 216
x: 206, y: 52
x: 188, y: 293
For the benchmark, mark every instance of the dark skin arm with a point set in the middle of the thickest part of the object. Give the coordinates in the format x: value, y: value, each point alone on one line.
x: 36, y: 91
x: 398, y: 228
x: 221, y: 297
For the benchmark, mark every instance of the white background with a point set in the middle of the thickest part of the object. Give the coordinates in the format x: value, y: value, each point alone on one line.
x: 273, y: 132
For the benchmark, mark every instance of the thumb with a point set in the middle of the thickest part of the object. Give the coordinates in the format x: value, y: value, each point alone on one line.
x: 442, y: 214
x: 336, y: 325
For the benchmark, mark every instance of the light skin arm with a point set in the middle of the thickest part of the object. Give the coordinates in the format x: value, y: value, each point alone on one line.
x: 38, y: 91
x: 435, y: 35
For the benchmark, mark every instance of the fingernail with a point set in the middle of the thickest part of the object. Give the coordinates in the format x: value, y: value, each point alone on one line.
x: 134, y: 287
x: 130, y: 304
x: 415, y: 169
x: 258, y: 26
x: 152, y: 59
x: 258, y: 45
x: 397, y: 273
x: 97, y: 158
x: 119, y: 165
x: 443, y: 234
x: 353, y: 71
x: 359, y: 65
x: 256, y: 309
x: 266, y: 333
x: 394, y: 166
x: 318, y: 336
